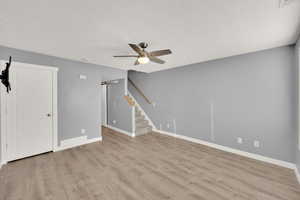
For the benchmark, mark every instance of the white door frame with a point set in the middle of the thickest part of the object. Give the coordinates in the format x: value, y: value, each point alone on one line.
x: 3, y: 103
x: 104, y: 91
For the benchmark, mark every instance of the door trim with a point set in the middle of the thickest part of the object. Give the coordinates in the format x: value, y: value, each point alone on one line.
x: 104, y: 91
x: 3, y: 104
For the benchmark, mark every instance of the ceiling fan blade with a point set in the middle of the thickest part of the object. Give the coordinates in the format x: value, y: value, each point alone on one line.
x: 156, y: 60
x: 160, y: 52
x: 137, y: 49
x: 136, y: 62
x: 128, y: 56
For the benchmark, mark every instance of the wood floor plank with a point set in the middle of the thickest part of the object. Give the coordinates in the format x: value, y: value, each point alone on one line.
x: 148, y: 167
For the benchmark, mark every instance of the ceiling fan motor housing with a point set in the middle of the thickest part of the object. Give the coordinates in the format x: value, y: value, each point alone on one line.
x: 143, y: 45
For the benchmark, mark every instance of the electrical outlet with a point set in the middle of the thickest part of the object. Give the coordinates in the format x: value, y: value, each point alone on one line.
x: 168, y: 125
x: 114, y: 121
x: 83, y: 77
x: 153, y: 104
x: 82, y: 131
x: 240, y: 140
x: 256, y: 144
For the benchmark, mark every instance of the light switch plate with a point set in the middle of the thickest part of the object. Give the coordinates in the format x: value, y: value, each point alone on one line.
x: 240, y: 140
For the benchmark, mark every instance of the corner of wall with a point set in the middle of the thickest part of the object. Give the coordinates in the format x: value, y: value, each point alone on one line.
x: 119, y: 112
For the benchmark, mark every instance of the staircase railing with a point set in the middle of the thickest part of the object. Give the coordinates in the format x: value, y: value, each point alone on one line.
x: 139, y: 91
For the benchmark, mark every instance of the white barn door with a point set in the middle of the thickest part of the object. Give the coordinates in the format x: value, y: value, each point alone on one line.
x: 29, y: 121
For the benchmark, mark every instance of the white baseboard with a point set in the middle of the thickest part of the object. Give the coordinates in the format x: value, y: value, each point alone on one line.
x: 297, y: 174
x: 231, y: 150
x: 235, y: 151
x: 2, y: 163
x: 74, y: 142
x: 121, y: 131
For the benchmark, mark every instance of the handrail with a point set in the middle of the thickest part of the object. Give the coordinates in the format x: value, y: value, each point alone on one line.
x: 139, y: 91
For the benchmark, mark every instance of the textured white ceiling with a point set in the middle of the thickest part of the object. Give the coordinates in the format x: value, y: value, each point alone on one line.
x: 195, y: 30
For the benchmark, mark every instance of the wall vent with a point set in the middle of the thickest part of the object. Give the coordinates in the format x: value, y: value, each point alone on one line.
x: 283, y: 3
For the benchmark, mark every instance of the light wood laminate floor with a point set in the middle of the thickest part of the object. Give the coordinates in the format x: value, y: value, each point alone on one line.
x: 151, y: 166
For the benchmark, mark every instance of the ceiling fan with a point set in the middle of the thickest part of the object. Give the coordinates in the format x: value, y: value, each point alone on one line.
x: 143, y: 56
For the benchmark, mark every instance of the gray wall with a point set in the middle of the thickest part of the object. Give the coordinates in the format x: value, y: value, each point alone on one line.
x: 253, y: 96
x: 118, y: 108
x: 79, y: 101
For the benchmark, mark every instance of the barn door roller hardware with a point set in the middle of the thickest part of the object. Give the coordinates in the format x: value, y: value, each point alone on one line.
x: 110, y: 82
x: 4, y: 76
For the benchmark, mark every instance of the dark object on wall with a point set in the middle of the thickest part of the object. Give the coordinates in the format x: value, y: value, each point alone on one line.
x: 5, y: 76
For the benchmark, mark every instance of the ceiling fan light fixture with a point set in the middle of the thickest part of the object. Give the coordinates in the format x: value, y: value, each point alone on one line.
x: 143, y: 60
